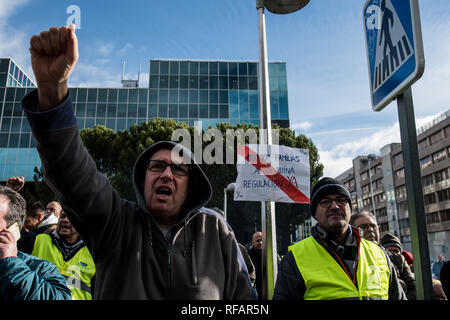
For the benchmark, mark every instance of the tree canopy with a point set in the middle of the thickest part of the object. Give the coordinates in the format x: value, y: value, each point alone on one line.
x: 116, y: 152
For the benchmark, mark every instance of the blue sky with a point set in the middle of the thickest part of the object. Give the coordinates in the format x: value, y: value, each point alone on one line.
x: 322, y: 44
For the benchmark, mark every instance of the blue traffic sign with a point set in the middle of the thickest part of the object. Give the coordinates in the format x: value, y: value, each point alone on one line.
x: 394, y: 48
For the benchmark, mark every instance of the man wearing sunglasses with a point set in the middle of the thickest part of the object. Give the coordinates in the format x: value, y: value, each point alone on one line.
x: 335, y: 262
x: 165, y: 246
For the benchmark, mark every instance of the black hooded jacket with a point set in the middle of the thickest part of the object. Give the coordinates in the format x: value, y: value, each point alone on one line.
x: 133, y: 258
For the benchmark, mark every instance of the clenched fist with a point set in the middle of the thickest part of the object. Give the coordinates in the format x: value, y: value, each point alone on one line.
x: 15, y: 183
x: 54, y: 54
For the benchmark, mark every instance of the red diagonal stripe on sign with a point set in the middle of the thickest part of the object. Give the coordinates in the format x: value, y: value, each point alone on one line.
x: 276, y: 177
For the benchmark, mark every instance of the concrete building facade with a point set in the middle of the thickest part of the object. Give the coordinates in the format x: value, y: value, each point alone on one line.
x: 377, y: 184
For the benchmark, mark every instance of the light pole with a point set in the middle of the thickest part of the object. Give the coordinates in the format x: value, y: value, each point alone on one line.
x: 230, y: 187
x: 269, y: 263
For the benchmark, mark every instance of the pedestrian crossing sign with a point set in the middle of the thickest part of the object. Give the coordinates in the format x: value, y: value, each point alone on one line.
x: 394, y: 48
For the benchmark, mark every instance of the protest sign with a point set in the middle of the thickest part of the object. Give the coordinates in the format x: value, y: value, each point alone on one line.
x: 272, y: 173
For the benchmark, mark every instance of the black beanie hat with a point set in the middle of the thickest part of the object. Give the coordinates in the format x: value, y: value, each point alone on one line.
x: 389, y: 240
x: 324, y: 187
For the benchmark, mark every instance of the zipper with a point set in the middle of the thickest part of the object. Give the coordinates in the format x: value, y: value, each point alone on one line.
x: 169, y: 263
x: 171, y: 245
x: 194, y: 265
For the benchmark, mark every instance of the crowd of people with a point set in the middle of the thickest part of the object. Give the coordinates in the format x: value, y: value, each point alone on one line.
x: 92, y: 244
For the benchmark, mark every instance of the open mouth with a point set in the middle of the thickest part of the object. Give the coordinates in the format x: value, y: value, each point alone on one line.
x: 65, y: 227
x: 163, y: 191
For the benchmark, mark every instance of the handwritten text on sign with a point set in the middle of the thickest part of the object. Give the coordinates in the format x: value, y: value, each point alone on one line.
x: 272, y: 173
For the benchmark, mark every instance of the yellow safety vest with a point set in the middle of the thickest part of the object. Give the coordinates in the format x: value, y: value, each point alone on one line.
x: 78, y: 271
x: 325, y: 279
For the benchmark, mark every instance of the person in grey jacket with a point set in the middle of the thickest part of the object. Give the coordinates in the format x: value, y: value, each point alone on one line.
x: 165, y: 246
x: 24, y: 277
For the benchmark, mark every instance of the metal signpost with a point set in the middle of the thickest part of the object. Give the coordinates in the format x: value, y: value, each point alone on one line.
x: 396, y: 60
x: 269, y: 252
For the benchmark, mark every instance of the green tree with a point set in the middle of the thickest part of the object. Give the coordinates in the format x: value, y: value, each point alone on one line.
x: 39, y: 190
x: 115, y: 154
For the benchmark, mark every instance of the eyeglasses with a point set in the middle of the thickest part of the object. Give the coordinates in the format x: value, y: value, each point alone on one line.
x: 160, y: 165
x: 367, y: 226
x: 326, y: 202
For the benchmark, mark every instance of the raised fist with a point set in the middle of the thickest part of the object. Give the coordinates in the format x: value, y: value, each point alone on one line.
x: 54, y: 54
x: 15, y: 183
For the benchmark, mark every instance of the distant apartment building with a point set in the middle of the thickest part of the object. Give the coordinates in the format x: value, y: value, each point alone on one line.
x: 377, y: 184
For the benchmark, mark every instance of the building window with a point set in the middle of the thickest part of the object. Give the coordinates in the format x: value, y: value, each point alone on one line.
x: 433, y: 217
x: 404, y: 223
x: 434, y: 138
x: 400, y: 174
x: 376, y: 169
x: 384, y: 227
x: 352, y: 183
x: 443, y: 195
x: 398, y: 159
x: 445, y: 215
x: 378, y: 183
x: 423, y: 144
x: 425, y: 162
x: 364, y: 175
x: 447, y: 131
x: 365, y: 189
x: 400, y: 192
x: 403, y: 207
x: 441, y: 175
x: 439, y: 156
x: 429, y: 199
x: 427, y: 180
x: 380, y: 198
x: 367, y: 202
x: 381, y: 213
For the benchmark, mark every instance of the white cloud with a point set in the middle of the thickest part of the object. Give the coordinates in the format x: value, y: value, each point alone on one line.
x: 93, y: 75
x: 13, y: 42
x: 105, y: 48
x: 305, y: 125
x: 334, y: 164
x: 125, y: 48
x: 339, y: 158
x: 143, y: 79
x: 7, y: 7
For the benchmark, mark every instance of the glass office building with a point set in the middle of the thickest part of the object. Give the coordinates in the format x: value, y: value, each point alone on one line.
x: 182, y: 90
x: 18, y: 155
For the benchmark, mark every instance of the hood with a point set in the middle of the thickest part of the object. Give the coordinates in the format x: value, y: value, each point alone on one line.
x: 50, y: 220
x: 199, y: 185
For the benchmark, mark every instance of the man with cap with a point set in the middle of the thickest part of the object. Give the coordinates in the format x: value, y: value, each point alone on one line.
x: 405, y: 276
x: 335, y: 262
x: 165, y: 246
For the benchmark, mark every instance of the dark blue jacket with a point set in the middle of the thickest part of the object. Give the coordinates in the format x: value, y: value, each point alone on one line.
x: 29, y: 278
